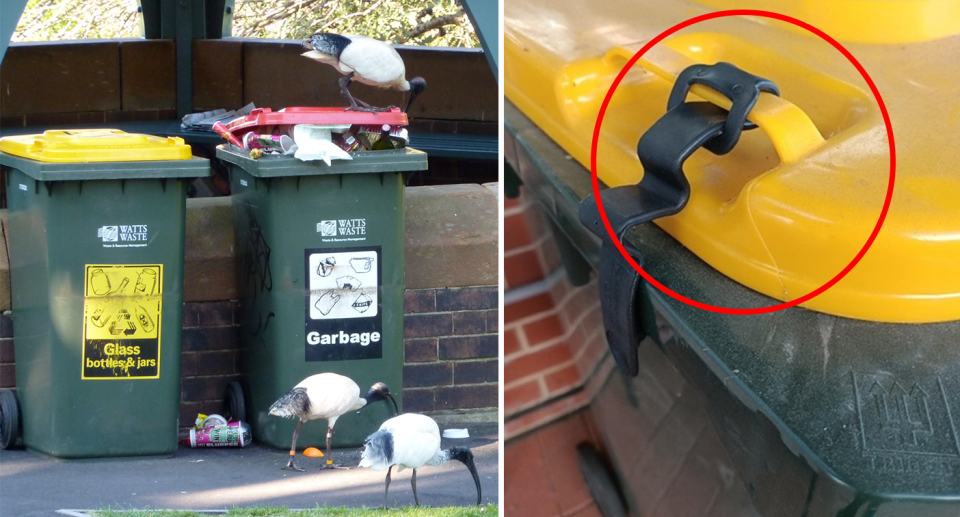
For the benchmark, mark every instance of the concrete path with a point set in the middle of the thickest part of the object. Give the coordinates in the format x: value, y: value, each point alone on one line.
x: 32, y: 485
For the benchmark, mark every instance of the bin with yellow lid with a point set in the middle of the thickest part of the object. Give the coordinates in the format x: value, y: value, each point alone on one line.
x: 96, y: 238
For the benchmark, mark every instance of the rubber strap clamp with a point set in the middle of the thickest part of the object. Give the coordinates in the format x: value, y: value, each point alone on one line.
x: 663, y: 190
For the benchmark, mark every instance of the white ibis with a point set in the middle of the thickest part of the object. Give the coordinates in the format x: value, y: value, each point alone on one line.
x: 411, y: 441
x: 325, y: 395
x: 364, y: 60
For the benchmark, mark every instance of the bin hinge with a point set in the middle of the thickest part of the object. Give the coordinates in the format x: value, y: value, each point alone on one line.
x: 663, y: 190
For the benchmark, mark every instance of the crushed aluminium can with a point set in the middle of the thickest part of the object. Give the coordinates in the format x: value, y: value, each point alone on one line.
x: 234, y: 434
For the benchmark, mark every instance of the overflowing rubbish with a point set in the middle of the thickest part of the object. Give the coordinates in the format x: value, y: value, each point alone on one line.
x: 216, y: 431
x: 315, y: 142
x: 204, y: 121
x: 269, y: 143
x: 309, y: 134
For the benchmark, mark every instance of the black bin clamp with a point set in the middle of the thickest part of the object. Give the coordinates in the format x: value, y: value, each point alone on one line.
x: 664, y: 190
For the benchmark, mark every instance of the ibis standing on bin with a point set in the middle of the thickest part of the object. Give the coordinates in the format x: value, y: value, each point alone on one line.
x: 364, y: 60
x: 411, y: 441
x: 325, y: 395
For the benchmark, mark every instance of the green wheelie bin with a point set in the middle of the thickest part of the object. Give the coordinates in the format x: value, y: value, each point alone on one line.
x: 96, y: 237
x: 321, y: 280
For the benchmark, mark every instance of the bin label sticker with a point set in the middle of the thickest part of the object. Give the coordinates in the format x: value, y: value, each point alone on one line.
x: 124, y: 236
x: 343, y: 230
x: 122, y: 310
x: 343, y: 317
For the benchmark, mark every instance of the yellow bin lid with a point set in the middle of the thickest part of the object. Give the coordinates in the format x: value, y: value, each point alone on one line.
x: 95, y: 145
x: 793, y: 203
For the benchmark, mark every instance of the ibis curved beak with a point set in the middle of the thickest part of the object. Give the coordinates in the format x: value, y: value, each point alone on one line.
x: 476, y: 477
x: 396, y: 409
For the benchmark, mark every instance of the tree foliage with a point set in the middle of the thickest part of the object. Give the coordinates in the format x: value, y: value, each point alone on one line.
x: 413, y: 22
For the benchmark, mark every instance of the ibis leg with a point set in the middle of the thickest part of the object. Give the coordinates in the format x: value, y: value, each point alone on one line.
x: 293, y: 449
x: 355, y: 103
x: 413, y: 483
x: 330, y: 464
x: 386, y: 487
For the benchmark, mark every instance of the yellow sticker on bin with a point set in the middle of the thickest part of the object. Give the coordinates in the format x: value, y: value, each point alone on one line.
x: 794, y: 202
x: 122, y: 310
x: 95, y: 145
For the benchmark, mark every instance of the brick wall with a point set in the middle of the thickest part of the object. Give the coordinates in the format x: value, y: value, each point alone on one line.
x: 450, y: 352
x: 562, y: 390
x: 553, y: 340
x: 451, y: 349
x: 8, y: 377
x: 209, y: 357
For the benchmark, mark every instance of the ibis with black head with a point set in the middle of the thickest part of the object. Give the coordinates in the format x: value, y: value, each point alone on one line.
x: 411, y: 441
x: 325, y: 395
x: 366, y: 61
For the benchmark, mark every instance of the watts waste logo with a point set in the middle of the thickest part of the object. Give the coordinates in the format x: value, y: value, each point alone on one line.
x: 123, y: 236
x: 343, y: 230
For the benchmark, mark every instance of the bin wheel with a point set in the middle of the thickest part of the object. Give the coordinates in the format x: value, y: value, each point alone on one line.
x: 601, y: 482
x: 9, y: 419
x: 233, y: 404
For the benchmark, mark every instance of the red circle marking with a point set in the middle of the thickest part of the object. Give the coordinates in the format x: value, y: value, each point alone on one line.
x: 886, y: 121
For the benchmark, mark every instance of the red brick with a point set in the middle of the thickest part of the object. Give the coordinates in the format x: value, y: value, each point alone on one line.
x: 427, y: 325
x: 213, y: 314
x: 191, y: 315
x: 420, y: 300
x: 218, y: 362
x: 527, y: 489
x: 493, y: 371
x: 527, y: 307
x: 536, y: 362
x: 511, y: 343
x: 564, y: 378
x: 471, y: 372
x: 189, y: 364
x: 427, y: 374
x: 419, y: 400
x: 467, y: 397
x: 469, y: 322
x: 469, y: 347
x: 542, y: 330
x: 8, y: 376
x: 6, y: 351
x: 510, y: 203
x: 521, y: 395
x: 210, y: 338
x: 197, y: 389
x: 522, y: 269
x: 516, y: 233
x: 6, y: 325
x: 468, y: 298
x: 420, y: 350
x: 493, y: 320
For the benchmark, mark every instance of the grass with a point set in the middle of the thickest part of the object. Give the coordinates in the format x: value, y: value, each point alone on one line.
x: 320, y: 511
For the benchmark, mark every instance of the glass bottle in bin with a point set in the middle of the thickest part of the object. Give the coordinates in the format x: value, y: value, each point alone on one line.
x: 384, y: 142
